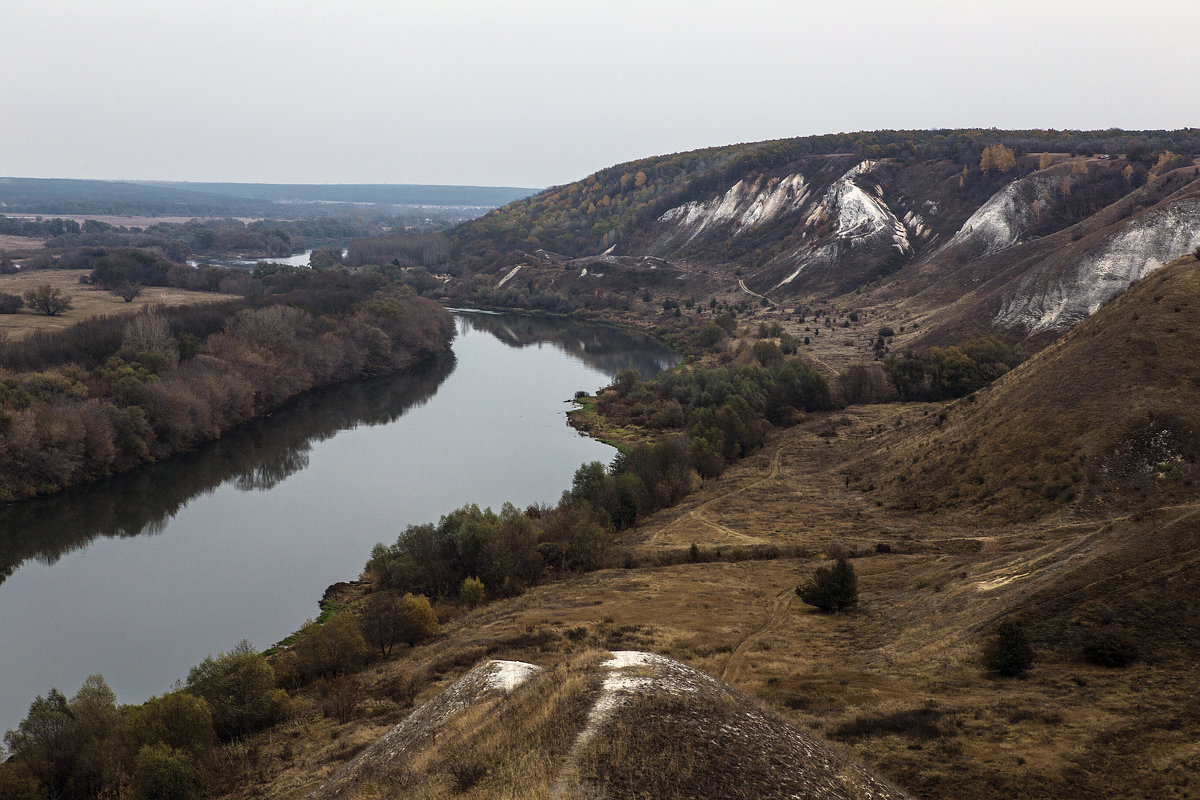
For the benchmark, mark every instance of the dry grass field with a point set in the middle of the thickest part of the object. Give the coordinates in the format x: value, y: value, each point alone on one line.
x: 88, y: 301
x: 20, y: 245
x: 897, y: 682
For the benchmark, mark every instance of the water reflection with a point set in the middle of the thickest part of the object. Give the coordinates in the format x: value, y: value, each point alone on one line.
x: 254, y: 457
x: 610, y: 350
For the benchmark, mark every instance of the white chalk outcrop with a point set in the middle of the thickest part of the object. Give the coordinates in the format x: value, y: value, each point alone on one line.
x: 630, y: 690
x: 860, y: 220
x: 1003, y: 220
x: 1057, y: 296
x: 748, y: 203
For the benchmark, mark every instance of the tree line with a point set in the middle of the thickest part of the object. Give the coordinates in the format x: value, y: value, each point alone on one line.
x: 108, y: 394
x: 704, y: 418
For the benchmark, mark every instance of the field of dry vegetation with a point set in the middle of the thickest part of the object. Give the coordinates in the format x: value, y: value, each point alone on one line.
x: 897, y: 682
x: 1034, y: 500
x: 87, y: 301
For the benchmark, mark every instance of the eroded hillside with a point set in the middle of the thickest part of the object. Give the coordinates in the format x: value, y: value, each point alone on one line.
x: 1021, y: 234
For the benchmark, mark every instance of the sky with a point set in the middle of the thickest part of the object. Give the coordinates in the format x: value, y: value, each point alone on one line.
x: 541, y: 92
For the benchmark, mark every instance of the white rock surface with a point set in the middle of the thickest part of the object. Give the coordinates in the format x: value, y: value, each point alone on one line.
x: 1006, y: 216
x: 1055, y: 300
x: 746, y: 204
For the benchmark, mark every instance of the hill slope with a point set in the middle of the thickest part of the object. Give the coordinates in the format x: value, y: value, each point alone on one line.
x: 1107, y: 416
x: 918, y: 222
x: 625, y: 724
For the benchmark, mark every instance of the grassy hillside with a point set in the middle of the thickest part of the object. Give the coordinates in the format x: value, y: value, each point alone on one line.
x: 615, y: 205
x: 1104, y: 418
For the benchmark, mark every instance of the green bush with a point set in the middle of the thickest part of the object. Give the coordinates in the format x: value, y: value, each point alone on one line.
x: 831, y: 589
x: 240, y: 689
x: 1009, y: 653
x: 161, y: 772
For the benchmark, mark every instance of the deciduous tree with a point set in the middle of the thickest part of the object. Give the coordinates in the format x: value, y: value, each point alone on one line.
x: 998, y: 158
x: 48, y: 300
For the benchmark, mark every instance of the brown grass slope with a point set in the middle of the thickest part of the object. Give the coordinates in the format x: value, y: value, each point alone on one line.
x: 1108, y: 417
x: 622, y: 724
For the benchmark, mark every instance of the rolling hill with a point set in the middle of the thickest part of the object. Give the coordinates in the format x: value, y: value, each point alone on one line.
x: 1018, y: 233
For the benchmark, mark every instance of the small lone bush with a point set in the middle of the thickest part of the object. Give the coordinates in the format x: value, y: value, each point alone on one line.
x: 1009, y: 653
x: 472, y: 591
x: 1109, y: 648
x: 831, y: 589
x: 10, y: 303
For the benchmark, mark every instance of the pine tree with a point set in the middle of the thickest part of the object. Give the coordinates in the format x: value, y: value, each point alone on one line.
x: 831, y: 589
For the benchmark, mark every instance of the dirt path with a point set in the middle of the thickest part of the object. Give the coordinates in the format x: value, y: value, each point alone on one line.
x: 697, y: 513
x: 783, y: 603
x: 753, y: 293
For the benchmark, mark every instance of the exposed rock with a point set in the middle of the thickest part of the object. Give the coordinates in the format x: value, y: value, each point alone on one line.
x: 732, y: 747
x: 1004, y: 218
x: 1057, y: 296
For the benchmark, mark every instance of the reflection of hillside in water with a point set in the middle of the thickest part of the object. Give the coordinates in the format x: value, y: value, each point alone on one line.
x: 607, y: 349
x: 255, y: 456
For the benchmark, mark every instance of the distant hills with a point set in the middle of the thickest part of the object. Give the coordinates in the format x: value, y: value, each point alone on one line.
x: 163, y: 198
x: 1021, y: 233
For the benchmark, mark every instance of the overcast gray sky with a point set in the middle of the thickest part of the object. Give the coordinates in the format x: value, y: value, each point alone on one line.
x: 540, y: 92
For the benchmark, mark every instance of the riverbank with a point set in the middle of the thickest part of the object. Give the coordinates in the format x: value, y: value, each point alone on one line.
x: 109, y: 394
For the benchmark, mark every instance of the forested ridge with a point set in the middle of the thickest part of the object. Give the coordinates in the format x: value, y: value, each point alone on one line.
x: 614, y: 205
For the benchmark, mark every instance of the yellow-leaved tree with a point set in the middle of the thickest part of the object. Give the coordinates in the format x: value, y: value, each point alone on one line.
x: 996, y: 157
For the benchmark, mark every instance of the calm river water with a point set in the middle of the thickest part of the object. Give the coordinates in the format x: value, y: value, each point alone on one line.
x: 143, y: 576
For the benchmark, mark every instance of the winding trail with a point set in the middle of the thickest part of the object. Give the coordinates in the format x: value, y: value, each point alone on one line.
x: 783, y: 603
x: 697, y: 513
x: 753, y: 293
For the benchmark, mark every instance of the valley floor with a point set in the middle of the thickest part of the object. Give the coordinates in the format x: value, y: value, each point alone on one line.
x: 898, y: 680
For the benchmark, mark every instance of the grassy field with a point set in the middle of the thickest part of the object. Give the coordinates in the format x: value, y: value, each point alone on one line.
x: 897, y: 682
x: 87, y: 301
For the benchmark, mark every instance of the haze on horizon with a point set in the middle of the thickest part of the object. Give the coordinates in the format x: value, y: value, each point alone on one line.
x: 535, y: 92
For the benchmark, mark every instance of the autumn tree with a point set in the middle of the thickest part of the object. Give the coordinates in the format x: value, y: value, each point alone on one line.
x: 48, y: 300
x: 239, y: 687
x: 334, y: 648
x: 45, y: 741
x: 148, y: 340
x: 472, y: 591
x: 70, y: 746
x: 996, y: 157
x: 180, y: 720
x: 161, y: 772
x: 417, y: 620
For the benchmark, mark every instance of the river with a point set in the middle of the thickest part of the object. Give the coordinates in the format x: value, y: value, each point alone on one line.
x: 142, y: 576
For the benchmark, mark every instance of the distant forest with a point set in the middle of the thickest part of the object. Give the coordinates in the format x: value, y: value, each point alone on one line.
x: 178, y: 240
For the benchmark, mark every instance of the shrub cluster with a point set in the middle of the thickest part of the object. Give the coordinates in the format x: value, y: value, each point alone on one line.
x: 946, y: 373
x: 87, y: 746
x: 721, y: 409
